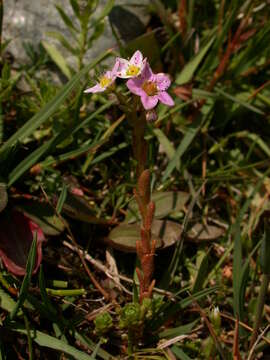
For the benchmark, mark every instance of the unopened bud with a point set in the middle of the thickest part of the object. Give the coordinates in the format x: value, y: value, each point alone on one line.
x: 215, y: 318
x: 151, y: 116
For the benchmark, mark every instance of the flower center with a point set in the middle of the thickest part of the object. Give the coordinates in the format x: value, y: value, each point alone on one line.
x: 132, y: 70
x: 150, y: 88
x: 104, y: 81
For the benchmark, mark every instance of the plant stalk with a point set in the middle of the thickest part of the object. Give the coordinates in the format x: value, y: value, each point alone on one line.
x: 260, y: 307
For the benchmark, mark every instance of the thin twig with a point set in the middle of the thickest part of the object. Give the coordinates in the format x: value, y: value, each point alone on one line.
x: 245, y: 326
x: 72, y: 238
x: 261, y: 336
x: 104, y: 269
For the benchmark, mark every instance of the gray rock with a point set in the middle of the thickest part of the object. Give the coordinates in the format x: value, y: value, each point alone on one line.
x: 30, y: 20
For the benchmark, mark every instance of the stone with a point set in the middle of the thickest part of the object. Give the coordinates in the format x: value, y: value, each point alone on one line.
x: 28, y: 21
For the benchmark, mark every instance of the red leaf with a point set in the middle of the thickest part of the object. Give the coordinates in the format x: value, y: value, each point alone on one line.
x: 16, y: 236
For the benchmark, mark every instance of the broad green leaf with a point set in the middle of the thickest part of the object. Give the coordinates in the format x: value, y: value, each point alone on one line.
x: 44, y: 216
x: 204, y: 232
x: 77, y: 207
x: 190, y: 68
x: 38, y: 119
x: 124, y: 236
x: 58, y: 58
x: 167, y: 203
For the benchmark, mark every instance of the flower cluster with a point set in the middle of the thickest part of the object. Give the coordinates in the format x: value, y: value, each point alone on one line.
x: 142, y: 81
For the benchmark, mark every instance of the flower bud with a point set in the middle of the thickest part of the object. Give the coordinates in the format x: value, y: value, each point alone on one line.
x: 215, y: 318
x: 151, y: 116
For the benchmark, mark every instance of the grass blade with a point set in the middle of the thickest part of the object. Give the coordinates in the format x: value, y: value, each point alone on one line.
x: 26, y: 281
x: 190, y: 68
x: 58, y: 58
x: 188, y: 138
x: 48, y: 110
x: 51, y: 342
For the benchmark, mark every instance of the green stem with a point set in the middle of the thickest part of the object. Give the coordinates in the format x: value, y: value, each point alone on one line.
x: 260, y: 307
x: 130, y: 342
x: 71, y: 292
x: 29, y: 338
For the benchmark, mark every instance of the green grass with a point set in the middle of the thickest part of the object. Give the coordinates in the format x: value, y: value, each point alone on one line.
x: 212, y: 147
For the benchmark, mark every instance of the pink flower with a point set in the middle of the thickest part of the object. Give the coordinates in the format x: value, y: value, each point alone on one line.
x: 151, y: 88
x: 105, y: 80
x: 131, y: 68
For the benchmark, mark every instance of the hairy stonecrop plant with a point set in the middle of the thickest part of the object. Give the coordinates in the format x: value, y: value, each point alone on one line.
x: 151, y: 88
x: 103, y: 323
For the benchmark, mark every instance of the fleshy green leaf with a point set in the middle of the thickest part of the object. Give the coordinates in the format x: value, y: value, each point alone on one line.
x: 124, y: 236
x: 167, y: 203
x: 204, y: 232
x: 44, y: 216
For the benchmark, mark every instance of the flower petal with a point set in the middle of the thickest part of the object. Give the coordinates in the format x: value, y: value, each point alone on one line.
x: 147, y: 73
x: 165, y: 98
x: 136, y: 59
x: 115, y: 67
x: 110, y: 75
x: 135, y: 86
x: 122, y: 67
x: 149, y: 102
x: 163, y: 81
x: 95, y: 89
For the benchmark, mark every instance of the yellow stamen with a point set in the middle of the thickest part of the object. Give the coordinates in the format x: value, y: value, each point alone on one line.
x: 104, y: 81
x: 150, y: 88
x: 132, y: 70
